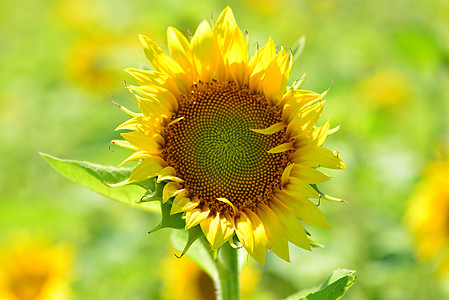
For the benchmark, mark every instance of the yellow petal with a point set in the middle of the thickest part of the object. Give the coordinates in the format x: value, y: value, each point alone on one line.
x: 305, y: 119
x: 143, y: 141
x: 244, y: 231
x: 163, y: 63
x: 195, y: 216
x: 286, y: 174
x: 276, y: 77
x: 144, y: 77
x: 205, y: 51
x: 181, y: 203
x: 276, y: 239
x: 292, y: 227
x: 259, y: 64
x: 179, y: 48
x: 148, y: 168
x: 233, y: 46
x: 319, y: 134
x: 135, y: 156
x: 260, y: 237
x: 228, y: 225
x: 281, y: 148
x: 171, y: 189
x: 124, y: 144
x: 303, y: 209
x: 168, y: 173
x: 308, y: 174
x: 215, y: 230
x: 314, y: 156
x: 160, y: 94
x: 151, y: 107
x: 276, y: 127
x: 298, y: 188
x: 295, y: 100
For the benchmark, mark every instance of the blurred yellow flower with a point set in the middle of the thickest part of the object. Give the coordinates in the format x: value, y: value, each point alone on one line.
x: 428, y: 215
x: 385, y: 88
x: 89, y: 64
x: 34, y: 270
x: 239, y: 153
x: 183, y: 279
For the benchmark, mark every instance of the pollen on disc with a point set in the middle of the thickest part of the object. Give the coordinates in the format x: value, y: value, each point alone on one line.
x: 213, y: 149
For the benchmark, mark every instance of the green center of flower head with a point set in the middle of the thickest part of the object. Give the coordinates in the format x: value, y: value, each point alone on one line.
x: 215, y: 152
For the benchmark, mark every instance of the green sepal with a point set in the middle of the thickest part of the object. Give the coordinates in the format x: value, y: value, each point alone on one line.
x: 314, y: 243
x: 297, y: 49
x: 335, y: 287
x: 153, y: 188
x: 193, y: 234
x: 169, y: 221
x: 98, y: 178
x: 327, y: 197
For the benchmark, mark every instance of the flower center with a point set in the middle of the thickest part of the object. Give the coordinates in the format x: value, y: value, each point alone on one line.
x: 215, y: 151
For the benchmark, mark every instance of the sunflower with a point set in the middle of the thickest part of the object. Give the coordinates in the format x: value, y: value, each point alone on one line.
x: 238, y: 152
x: 428, y: 215
x: 33, y: 270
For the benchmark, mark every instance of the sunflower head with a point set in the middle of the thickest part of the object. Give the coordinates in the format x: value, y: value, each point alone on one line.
x: 238, y: 153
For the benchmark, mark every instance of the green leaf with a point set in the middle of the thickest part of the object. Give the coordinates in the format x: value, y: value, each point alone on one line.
x: 96, y: 177
x: 333, y: 288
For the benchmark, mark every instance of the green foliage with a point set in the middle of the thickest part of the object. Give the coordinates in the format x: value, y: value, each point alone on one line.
x: 335, y: 287
x: 98, y: 177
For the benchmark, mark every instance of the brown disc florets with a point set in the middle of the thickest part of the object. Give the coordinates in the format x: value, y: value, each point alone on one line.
x: 215, y: 152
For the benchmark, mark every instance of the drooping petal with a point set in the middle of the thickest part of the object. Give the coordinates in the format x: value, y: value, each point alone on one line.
x: 303, y: 209
x: 276, y: 239
x: 291, y: 226
x: 147, y: 168
x: 260, y: 237
x: 281, y: 148
x: 135, y: 156
x: 195, y: 216
x: 171, y: 189
x: 182, y: 203
x: 298, y: 188
x: 168, y: 173
x: 124, y: 144
x: 143, y: 141
x: 216, y: 230
x: 308, y: 174
x: 244, y: 231
x: 314, y: 156
x: 276, y: 127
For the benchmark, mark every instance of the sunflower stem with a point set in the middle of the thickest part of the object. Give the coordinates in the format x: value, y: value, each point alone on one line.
x: 227, y: 283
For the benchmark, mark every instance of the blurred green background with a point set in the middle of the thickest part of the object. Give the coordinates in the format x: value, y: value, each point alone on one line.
x: 61, y: 61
